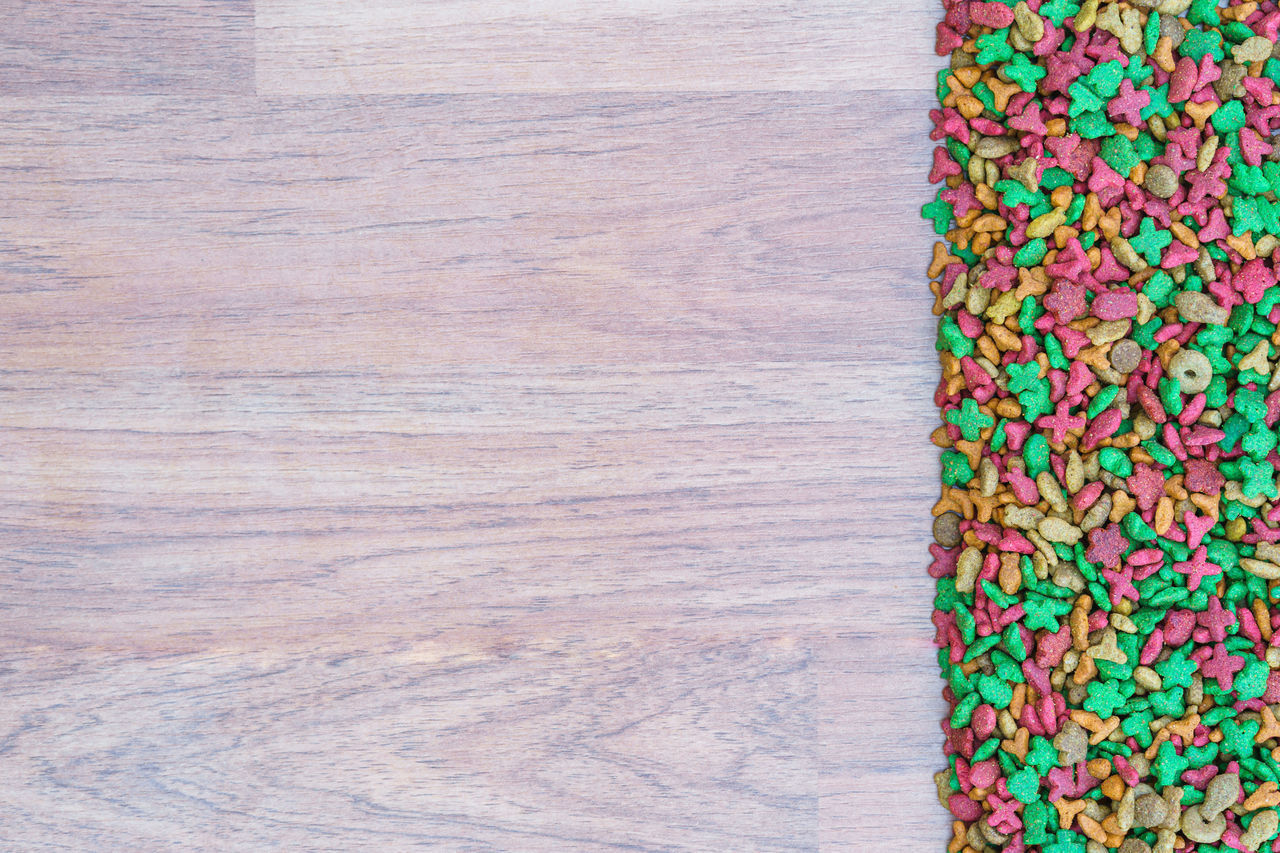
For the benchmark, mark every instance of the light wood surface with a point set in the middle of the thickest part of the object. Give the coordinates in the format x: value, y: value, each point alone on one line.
x: 466, y: 426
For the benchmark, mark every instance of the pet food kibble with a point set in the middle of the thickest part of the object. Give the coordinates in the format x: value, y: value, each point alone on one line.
x: 946, y: 529
x: 1191, y: 370
x: 1107, y: 543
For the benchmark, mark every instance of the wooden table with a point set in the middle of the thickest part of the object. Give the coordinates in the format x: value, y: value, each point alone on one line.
x: 466, y: 425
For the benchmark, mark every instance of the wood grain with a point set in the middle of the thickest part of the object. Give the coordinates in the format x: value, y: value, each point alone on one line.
x: 538, y: 46
x: 126, y: 46
x: 525, y: 468
x: 401, y: 231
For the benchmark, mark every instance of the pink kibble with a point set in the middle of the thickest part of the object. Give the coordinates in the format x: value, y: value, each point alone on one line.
x: 1176, y: 255
x: 1273, y: 687
x: 1116, y: 304
x: 1253, y: 279
x: 1126, y: 771
x: 1146, y: 557
x: 1203, y: 477
x: 1192, y: 410
x: 1183, y: 81
x: 1146, y: 484
x: 1252, y: 146
x: 1088, y: 495
x: 984, y: 774
x: 1103, y: 426
x: 1200, y: 776
x: 984, y: 721
x: 1152, y: 648
x: 1052, y: 647
x: 1178, y: 626
x: 964, y: 808
x: 994, y: 15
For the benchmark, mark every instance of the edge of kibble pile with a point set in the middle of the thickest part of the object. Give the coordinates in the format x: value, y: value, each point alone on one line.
x: 1107, y: 551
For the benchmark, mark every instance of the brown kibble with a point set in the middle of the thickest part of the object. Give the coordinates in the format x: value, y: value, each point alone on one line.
x: 1200, y: 112
x: 1121, y: 505
x: 1242, y: 244
x: 1161, y: 181
x: 1002, y: 92
x: 1263, y: 618
x: 941, y: 258
x: 1164, y: 516
x: 968, y: 76
x: 969, y: 106
x: 1125, y: 355
x: 1020, y: 743
x: 1091, y: 828
x: 1184, y: 728
x: 995, y: 147
x: 1200, y: 829
x: 1079, y: 621
x: 1191, y: 369
x: 1198, y: 307
x: 1184, y: 234
x: 1149, y: 811
x: 946, y: 529
x: 1068, y: 810
x: 1209, y: 506
x: 1010, y: 577
x: 1264, y: 826
x: 1086, y: 670
x: 1071, y: 742
x: 1266, y: 796
x: 1221, y: 794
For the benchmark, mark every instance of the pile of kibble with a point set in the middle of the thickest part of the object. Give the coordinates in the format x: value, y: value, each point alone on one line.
x: 1108, y: 535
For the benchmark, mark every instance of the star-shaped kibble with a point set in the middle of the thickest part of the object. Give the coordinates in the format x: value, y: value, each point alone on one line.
x: 1237, y: 737
x: 1176, y: 671
x: 1169, y: 765
x: 1066, y: 302
x: 1259, y: 478
x: 1129, y: 103
x: 970, y: 419
x: 940, y: 213
x: 1040, y: 614
x: 1251, y: 681
x: 1146, y: 484
x: 1024, y: 72
x: 1061, y: 422
x: 1159, y: 102
x: 1221, y: 665
x: 1216, y: 619
x: 1106, y: 545
x: 1197, y: 568
x: 1023, y: 376
x: 1104, y: 697
x: 1042, y: 755
x: 1150, y: 240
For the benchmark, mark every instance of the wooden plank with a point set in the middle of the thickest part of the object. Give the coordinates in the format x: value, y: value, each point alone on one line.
x: 509, y: 607
x: 541, y: 467
x: 692, y: 493
x: 398, y: 231
x: 566, y: 741
x: 126, y: 46
x: 879, y: 703
x: 450, y: 46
